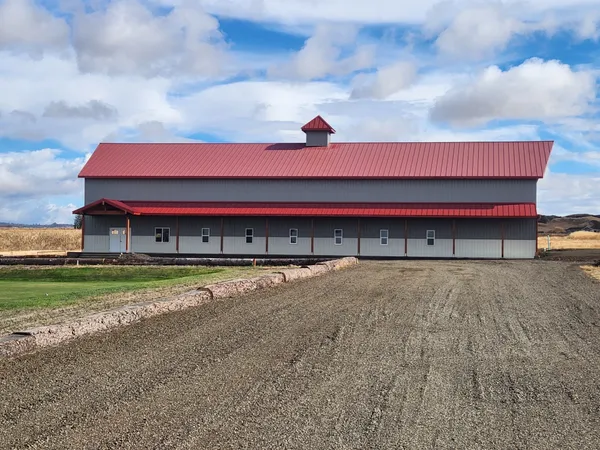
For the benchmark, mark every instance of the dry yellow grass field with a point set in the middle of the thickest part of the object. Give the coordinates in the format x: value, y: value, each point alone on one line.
x: 576, y: 240
x: 592, y: 271
x: 44, y: 240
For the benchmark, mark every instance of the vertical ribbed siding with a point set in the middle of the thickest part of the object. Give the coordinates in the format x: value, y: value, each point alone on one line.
x: 318, y: 191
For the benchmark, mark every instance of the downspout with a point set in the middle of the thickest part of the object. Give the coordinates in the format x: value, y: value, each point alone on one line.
x: 82, y: 231
x: 267, y: 235
x: 358, y: 237
x: 222, y: 230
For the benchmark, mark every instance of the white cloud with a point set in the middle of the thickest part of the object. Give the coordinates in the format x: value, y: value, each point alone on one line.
x: 479, y: 31
x: 372, y: 11
x: 562, y: 194
x: 256, y: 111
x: 533, y: 90
x: 31, y: 86
x: 590, y: 158
x: 321, y: 55
x: 29, y: 178
x: 589, y: 27
x: 387, y: 81
x: 27, y: 27
x: 126, y: 38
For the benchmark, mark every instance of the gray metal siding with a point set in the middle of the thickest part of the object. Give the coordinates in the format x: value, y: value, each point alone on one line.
x: 475, y: 238
x: 279, y: 236
x: 317, y: 138
x: 190, y: 235
x: 234, y: 242
x: 96, y: 233
x: 417, y: 242
x: 369, y: 191
x: 370, y: 243
x: 324, y: 237
x: 143, y: 239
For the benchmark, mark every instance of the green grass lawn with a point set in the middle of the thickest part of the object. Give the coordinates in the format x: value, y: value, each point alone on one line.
x: 48, y: 287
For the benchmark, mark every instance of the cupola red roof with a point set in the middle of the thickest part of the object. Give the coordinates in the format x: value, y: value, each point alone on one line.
x: 318, y: 124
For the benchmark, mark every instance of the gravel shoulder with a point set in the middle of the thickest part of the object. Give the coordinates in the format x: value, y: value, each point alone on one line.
x: 403, y: 354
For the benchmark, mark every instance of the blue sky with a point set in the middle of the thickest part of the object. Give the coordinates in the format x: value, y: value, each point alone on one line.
x: 75, y: 73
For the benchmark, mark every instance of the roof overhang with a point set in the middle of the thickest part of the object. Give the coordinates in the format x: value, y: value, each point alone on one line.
x: 277, y: 209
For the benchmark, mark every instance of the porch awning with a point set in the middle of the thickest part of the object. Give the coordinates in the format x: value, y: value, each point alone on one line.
x: 431, y: 210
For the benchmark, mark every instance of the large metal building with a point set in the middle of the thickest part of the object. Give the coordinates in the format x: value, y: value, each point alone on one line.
x: 439, y: 200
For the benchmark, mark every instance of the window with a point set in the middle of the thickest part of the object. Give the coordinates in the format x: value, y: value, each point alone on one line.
x: 249, y: 235
x: 383, y: 237
x: 338, y: 235
x: 293, y: 236
x: 430, y: 237
x: 162, y: 234
x: 205, y: 235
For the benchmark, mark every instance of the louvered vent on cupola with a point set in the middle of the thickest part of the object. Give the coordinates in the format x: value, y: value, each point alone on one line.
x: 318, y: 132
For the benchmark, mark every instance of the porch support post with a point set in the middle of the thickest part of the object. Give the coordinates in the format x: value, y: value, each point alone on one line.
x: 453, y: 237
x: 358, y: 224
x: 82, y: 231
x: 405, y: 237
x: 222, y: 232
x: 537, y: 231
x: 267, y: 235
x: 312, y: 236
x: 502, y: 235
x: 127, y: 232
x: 177, y: 234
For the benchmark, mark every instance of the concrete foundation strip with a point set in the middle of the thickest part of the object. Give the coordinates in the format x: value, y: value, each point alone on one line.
x: 29, y: 340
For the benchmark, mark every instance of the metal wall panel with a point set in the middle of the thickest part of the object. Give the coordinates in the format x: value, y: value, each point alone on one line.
x: 94, y: 243
x: 520, y: 229
x: 96, y: 233
x: 367, y: 191
x: 418, y: 248
x: 519, y: 249
x: 324, y: 239
x: 279, y: 236
x: 478, y: 248
x: 190, y: 235
x: 143, y: 239
x: 417, y: 238
x: 370, y: 243
x: 474, y: 238
x: 234, y: 242
x: 317, y: 138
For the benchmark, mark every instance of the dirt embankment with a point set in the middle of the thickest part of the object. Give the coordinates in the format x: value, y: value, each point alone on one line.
x: 408, y: 354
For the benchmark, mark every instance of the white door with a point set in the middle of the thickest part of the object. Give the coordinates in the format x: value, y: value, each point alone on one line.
x: 118, y: 237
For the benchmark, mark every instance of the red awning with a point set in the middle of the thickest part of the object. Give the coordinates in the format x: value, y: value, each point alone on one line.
x: 433, y: 210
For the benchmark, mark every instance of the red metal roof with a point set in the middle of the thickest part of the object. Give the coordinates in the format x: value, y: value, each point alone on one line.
x: 518, y: 210
x: 318, y: 124
x: 339, y: 160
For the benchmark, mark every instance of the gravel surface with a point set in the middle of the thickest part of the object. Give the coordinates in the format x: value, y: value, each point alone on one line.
x: 409, y: 354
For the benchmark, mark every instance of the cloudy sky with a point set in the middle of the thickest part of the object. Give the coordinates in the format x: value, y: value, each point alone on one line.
x: 74, y: 73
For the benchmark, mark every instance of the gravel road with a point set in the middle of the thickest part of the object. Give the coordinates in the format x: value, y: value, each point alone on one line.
x: 410, y: 354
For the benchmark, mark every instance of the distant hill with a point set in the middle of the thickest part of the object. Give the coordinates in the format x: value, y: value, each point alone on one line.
x: 21, y: 225
x: 568, y: 224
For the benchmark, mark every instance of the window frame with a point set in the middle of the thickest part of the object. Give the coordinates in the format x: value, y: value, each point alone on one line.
x: 251, y: 235
x: 162, y: 235
x: 293, y: 237
x: 341, y: 237
x: 207, y: 236
x: 387, y: 236
x: 430, y: 238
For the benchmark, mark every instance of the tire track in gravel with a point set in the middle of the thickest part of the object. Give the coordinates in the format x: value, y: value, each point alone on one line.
x: 406, y: 354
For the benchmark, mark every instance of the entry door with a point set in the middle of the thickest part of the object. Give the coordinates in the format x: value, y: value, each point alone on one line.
x: 117, y: 240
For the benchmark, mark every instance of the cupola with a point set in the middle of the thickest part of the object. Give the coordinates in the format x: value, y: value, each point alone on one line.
x: 318, y: 132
